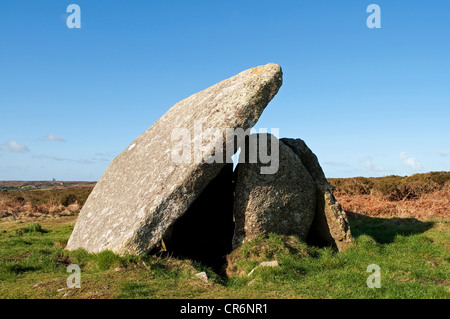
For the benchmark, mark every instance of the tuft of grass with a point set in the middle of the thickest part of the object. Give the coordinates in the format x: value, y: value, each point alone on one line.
x: 285, y: 249
x: 34, y: 227
x: 107, y: 259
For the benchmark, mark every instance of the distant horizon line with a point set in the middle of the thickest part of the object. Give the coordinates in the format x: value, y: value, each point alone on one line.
x: 95, y: 181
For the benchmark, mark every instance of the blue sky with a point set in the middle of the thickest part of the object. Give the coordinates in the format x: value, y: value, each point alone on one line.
x: 368, y: 102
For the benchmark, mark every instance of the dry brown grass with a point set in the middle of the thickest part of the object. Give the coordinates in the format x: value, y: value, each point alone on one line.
x: 19, y: 207
x: 427, y: 206
x: 421, y: 196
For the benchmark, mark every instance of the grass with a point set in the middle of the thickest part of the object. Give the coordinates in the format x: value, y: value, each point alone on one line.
x: 413, y: 256
x: 34, y: 227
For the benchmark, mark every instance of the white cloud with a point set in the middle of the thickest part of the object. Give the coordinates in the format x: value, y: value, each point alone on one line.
x: 13, y: 146
x: 337, y: 164
x: 84, y: 161
x: 51, y: 157
x: 104, y: 157
x: 62, y: 159
x: 54, y: 138
x: 410, y: 161
x: 369, y: 165
x: 443, y: 153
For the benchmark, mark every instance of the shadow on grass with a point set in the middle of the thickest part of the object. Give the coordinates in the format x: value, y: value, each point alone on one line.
x: 19, y: 269
x: 32, y: 228
x: 384, y: 230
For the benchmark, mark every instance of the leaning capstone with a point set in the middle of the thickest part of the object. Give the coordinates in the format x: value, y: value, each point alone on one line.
x: 330, y: 225
x: 155, y: 179
x: 283, y: 202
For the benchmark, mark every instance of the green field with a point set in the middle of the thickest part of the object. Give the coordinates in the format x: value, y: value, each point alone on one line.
x: 413, y: 257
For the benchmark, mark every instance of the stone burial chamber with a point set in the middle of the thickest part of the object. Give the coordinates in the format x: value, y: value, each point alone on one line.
x: 203, y: 209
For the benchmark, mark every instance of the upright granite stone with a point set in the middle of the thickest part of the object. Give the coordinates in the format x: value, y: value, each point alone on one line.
x: 143, y: 191
x: 330, y: 225
x: 283, y: 202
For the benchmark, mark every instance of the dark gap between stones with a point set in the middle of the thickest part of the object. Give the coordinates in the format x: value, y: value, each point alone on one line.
x: 205, y: 232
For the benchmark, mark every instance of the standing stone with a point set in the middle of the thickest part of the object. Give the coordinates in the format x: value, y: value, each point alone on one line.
x: 143, y: 191
x: 330, y: 226
x: 283, y: 203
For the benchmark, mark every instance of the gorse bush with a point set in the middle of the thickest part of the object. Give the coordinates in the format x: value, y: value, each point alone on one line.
x: 69, y: 199
x: 352, y: 186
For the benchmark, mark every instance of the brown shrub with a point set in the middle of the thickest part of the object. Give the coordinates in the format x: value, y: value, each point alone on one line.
x: 42, y: 203
x: 74, y: 208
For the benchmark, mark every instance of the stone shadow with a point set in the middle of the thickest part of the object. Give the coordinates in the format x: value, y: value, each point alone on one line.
x: 384, y: 230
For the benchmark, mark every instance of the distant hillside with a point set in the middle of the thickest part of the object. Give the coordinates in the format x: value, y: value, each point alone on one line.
x: 421, y: 196
x: 393, y: 188
x: 30, y: 185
